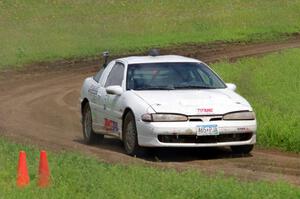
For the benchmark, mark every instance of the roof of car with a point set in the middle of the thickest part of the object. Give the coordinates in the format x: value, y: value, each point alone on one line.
x: 156, y: 59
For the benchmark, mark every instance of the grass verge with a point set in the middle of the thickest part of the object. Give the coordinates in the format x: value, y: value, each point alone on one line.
x: 272, y: 86
x: 76, y: 176
x: 35, y: 30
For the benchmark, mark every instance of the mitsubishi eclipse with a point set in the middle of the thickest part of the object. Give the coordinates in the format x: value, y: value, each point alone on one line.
x: 165, y: 101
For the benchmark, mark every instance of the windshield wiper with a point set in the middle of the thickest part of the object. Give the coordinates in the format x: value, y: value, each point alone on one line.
x: 155, y: 88
x: 193, y: 86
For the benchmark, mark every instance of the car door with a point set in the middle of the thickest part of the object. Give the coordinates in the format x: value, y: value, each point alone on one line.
x: 113, y: 103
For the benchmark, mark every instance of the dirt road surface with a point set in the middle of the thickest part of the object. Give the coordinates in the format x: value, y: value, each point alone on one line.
x: 39, y: 105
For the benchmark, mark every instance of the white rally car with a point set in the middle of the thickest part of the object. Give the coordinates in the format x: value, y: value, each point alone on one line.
x: 165, y: 101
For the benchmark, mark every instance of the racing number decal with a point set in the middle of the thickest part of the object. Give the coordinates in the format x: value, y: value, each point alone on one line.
x: 93, y: 90
x: 110, y: 125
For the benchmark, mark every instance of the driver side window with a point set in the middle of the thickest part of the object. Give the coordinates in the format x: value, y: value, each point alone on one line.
x: 116, y: 75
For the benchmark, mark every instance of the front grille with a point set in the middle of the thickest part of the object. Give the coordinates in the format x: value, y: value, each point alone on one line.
x: 205, y: 118
x: 204, y: 139
x: 216, y: 119
x: 195, y: 120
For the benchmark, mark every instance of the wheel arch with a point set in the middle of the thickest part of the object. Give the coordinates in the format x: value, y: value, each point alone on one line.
x: 83, y: 103
x: 126, y: 111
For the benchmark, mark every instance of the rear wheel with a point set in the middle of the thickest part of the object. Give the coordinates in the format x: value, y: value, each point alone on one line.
x: 89, y: 135
x: 242, y: 149
x: 130, y: 135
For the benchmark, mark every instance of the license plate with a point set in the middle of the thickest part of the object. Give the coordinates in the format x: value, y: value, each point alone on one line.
x: 211, y: 129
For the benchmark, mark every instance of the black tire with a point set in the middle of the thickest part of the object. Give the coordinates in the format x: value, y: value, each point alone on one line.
x: 243, y: 149
x: 130, y: 135
x: 89, y: 136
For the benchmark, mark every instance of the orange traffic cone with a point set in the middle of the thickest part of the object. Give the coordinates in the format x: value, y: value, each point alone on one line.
x: 44, y: 173
x: 22, y: 176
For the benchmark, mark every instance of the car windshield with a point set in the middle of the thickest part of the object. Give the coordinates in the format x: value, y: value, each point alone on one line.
x: 171, y: 76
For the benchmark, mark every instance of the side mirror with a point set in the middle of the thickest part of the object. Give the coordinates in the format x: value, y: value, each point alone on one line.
x: 114, y: 90
x: 231, y: 86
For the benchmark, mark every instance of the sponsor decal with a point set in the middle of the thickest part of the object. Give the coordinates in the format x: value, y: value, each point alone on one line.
x: 205, y: 110
x: 93, y: 90
x: 110, y: 125
x: 243, y: 129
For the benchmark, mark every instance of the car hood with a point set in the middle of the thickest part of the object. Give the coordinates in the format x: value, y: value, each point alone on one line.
x: 194, y: 102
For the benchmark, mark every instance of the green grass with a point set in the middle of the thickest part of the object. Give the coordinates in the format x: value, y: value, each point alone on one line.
x: 76, y: 176
x: 35, y: 30
x: 272, y: 85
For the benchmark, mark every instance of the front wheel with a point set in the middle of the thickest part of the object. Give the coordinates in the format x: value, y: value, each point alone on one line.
x: 242, y: 149
x: 89, y: 135
x: 130, y: 135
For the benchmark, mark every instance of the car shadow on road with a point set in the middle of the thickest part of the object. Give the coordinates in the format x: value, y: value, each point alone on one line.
x: 191, y: 154
x: 170, y: 154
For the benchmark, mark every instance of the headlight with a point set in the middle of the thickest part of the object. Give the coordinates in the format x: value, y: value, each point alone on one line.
x: 163, y: 117
x: 247, y: 115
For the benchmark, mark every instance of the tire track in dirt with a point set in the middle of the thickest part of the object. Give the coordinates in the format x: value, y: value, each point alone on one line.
x: 40, y: 106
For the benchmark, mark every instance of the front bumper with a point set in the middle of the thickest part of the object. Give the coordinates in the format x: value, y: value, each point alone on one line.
x: 184, y: 134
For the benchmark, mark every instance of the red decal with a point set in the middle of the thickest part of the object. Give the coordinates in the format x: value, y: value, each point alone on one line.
x: 107, y: 124
x: 205, y: 110
x: 110, y: 125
